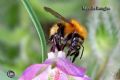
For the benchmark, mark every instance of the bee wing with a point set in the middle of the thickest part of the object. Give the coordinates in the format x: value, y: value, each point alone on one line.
x: 56, y: 14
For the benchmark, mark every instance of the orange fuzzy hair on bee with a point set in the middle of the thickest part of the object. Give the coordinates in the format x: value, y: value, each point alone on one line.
x: 75, y: 27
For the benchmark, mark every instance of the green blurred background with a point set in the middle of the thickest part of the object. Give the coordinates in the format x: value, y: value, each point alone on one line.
x: 19, y: 43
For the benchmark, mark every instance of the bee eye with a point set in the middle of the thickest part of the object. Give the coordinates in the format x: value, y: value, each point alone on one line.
x: 76, y: 39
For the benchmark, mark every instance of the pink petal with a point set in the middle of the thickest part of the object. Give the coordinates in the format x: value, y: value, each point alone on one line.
x: 60, y: 75
x: 64, y: 68
x: 43, y: 76
x: 32, y: 71
x: 68, y: 67
x: 57, y: 75
x: 47, y: 75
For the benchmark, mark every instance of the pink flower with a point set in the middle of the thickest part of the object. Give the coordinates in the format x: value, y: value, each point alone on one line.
x: 56, y: 67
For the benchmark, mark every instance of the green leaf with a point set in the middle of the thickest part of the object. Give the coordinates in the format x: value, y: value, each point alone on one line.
x: 37, y: 25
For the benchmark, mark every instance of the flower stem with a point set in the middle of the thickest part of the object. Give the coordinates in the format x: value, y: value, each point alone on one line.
x: 37, y: 26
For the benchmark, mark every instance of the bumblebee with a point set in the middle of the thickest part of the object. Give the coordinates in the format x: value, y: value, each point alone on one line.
x: 67, y: 33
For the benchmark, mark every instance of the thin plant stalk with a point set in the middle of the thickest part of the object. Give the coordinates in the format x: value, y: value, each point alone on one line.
x: 37, y: 26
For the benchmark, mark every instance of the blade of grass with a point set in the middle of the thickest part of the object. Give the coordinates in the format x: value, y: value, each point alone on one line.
x: 37, y: 25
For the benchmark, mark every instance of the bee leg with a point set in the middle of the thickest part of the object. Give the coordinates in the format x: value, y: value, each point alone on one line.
x: 82, y: 51
x: 73, y: 45
x: 55, y: 43
x: 66, y: 40
x: 75, y: 56
x: 75, y: 53
x: 52, y: 48
x: 51, y: 40
x: 72, y: 54
x: 69, y: 52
